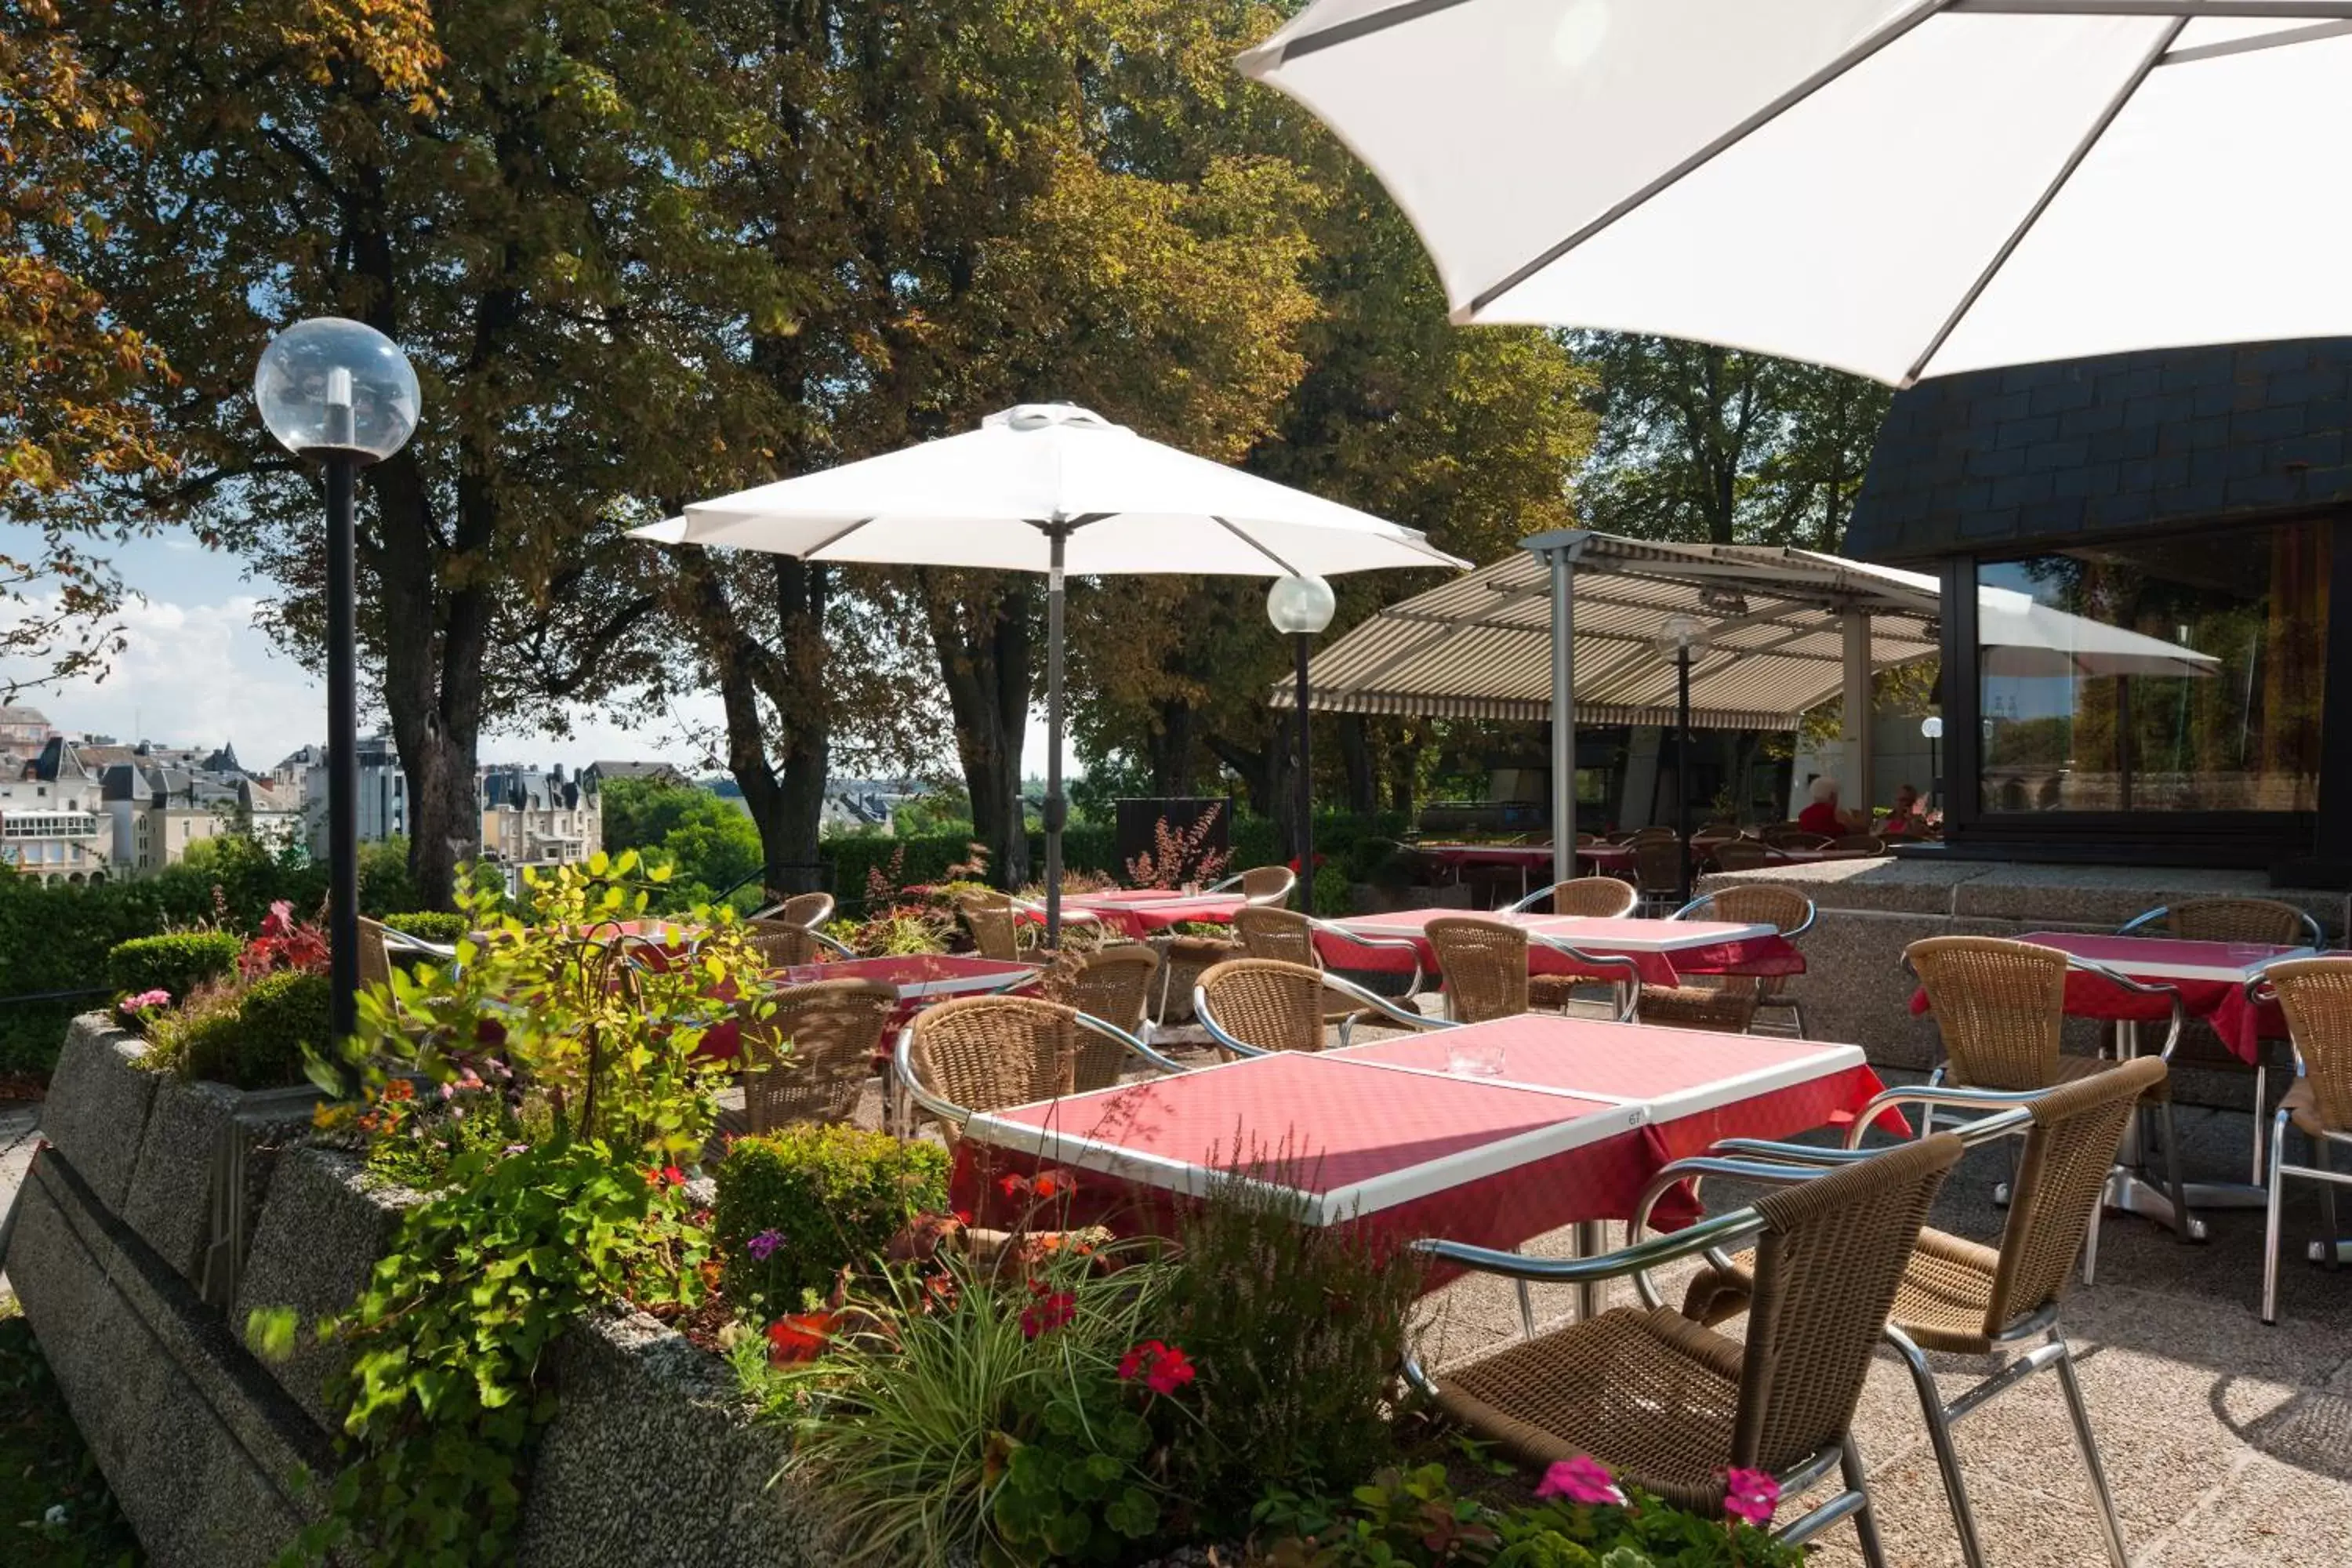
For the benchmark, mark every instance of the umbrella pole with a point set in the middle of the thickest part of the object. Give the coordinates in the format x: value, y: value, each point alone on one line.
x: 1058, y: 533
x: 1682, y: 771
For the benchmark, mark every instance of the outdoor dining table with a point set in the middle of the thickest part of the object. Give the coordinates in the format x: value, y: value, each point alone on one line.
x: 1617, y: 859
x: 917, y: 979
x: 1494, y: 1133
x: 1141, y: 912
x: 1663, y: 951
x: 2211, y: 978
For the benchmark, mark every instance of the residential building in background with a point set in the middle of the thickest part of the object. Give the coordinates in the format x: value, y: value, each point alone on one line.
x: 51, y: 824
x: 537, y: 817
x: 382, y: 793
x: 23, y: 732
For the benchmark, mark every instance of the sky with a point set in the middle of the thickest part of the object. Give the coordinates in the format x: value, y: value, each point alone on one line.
x: 198, y: 671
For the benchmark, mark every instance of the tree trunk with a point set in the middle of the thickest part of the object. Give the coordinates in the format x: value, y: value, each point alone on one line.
x: 1356, y: 759
x: 1169, y: 750
x: 985, y: 650
x: 1404, y: 765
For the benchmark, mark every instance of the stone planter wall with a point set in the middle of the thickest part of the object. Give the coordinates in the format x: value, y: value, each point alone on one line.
x: 1856, y: 989
x: 652, y: 1461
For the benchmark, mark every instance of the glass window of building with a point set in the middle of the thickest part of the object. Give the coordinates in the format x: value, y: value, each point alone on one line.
x: 2182, y: 674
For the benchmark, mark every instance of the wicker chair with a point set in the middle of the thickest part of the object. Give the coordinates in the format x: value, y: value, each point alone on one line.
x: 996, y: 927
x: 1660, y: 866
x: 2265, y: 920
x: 1261, y: 885
x: 1788, y: 836
x: 1592, y: 898
x: 810, y: 910
x: 376, y: 954
x: 782, y: 944
x: 809, y: 1058
x: 2315, y: 995
x: 1113, y: 984
x: 1485, y: 963
x: 1254, y: 1006
x: 1999, y: 1007
x: 985, y: 1053
x: 1290, y: 937
x: 1669, y: 1405
x: 1961, y: 1298
x: 1730, y: 1004
x: 1866, y: 843
x: 1747, y: 855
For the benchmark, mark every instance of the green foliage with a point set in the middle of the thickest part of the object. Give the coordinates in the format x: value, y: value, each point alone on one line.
x: 444, y: 1394
x: 923, y: 1431
x: 1298, y: 1331
x: 832, y: 1197
x: 177, y: 962
x: 44, y: 1465
x: 432, y: 925
x: 708, y: 841
x: 1415, y: 1519
x: 255, y: 1035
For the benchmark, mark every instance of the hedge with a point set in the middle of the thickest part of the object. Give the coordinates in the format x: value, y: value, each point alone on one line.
x: 177, y: 962
x: 431, y: 925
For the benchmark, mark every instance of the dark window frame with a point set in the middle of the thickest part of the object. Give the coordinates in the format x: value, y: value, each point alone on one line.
x: 2310, y: 847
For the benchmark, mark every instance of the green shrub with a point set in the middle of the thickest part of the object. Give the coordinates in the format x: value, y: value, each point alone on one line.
x: 249, y: 1037
x: 831, y: 1195
x: 431, y: 925
x: 178, y: 963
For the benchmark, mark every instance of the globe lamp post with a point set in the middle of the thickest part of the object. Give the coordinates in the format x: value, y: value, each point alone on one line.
x: 1301, y: 606
x: 1681, y: 636
x: 343, y: 394
x: 1932, y: 727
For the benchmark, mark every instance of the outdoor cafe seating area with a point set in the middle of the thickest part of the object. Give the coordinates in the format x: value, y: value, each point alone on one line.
x: 1617, y: 1121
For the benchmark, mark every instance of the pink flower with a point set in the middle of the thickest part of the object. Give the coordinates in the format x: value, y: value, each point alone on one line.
x: 1750, y: 1495
x: 1581, y: 1479
x: 146, y: 999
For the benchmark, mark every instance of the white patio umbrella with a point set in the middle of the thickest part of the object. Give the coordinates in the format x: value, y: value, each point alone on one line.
x: 1052, y: 488
x: 1901, y: 188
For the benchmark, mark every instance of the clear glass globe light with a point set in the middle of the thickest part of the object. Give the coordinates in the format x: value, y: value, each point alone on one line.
x: 1301, y: 603
x: 334, y: 385
x: 1932, y: 727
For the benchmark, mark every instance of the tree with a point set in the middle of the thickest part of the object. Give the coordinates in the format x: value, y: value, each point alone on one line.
x: 76, y: 383
x: 1698, y: 442
x: 519, y: 193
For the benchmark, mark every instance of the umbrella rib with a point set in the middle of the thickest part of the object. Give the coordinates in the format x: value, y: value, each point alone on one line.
x: 1356, y: 27
x: 1288, y: 570
x: 1870, y: 44
x: 2311, y: 35
x: 830, y: 539
x: 2115, y: 106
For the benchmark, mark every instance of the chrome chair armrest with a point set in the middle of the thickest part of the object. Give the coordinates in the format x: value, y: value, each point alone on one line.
x: 1695, y: 1170
x: 1604, y: 963
x: 2139, y: 988
x: 839, y: 949
x: 1111, y: 1031
x: 902, y: 1062
x: 1371, y: 1000
x: 1723, y: 1230
x: 2008, y: 1102
x: 1794, y: 1153
x: 401, y: 942
x: 1391, y: 944
x: 2145, y: 919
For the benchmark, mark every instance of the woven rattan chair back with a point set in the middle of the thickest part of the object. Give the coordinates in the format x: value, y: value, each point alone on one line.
x: 2000, y: 1006
x: 2315, y: 995
x: 1867, y: 842
x: 1266, y: 1003
x: 1783, y: 908
x: 1827, y: 1266
x: 988, y: 1052
x: 1113, y: 984
x: 376, y: 954
x: 811, y: 1055
x: 995, y: 930
x: 1486, y: 967
x: 1788, y: 836
x: 1594, y: 897
x: 810, y: 910
x: 2265, y: 920
x: 1649, y: 834
x: 1658, y: 864
x: 2060, y: 1176
x: 1280, y: 934
x: 780, y: 944
x: 1746, y: 855
x: 1268, y: 884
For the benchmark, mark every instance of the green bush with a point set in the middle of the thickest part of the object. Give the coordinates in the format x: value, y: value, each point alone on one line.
x: 830, y: 1196
x: 250, y: 1037
x: 177, y: 962
x: 431, y: 925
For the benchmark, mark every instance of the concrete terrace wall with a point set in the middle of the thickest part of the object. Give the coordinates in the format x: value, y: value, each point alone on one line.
x: 1855, y: 988
x: 651, y: 1462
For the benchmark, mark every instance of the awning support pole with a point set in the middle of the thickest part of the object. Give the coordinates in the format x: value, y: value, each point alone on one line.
x: 1858, y: 788
x: 1563, y: 716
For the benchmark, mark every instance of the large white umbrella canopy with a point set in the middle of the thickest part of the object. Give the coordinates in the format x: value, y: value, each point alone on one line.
x: 1052, y: 488
x: 1901, y: 188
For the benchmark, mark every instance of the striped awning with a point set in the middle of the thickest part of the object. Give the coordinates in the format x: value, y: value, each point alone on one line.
x: 1480, y: 646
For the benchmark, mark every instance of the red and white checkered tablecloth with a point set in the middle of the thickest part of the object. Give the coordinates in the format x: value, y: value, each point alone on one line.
x: 1577, y: 1119
x: 2210, y: 975
x: 1663, y: 951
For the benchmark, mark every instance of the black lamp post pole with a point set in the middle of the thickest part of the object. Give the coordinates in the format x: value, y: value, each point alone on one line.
x: 342, y: 748
x: 1306, y: 791
x: 1681, y: 773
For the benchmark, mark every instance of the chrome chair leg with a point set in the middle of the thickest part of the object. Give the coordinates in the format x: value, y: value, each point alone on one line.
x: 1927, y: 1112
x: 2090, y: 1240
x: 2271, y: 1238
x: 1939, y: 1439
x: 1865, y: 1518
x: 2325, y: 1160
x: 2184, y: 1225
x: 2262, y: 1108
x: 1526, y: 1311
x: 2089, y: 1444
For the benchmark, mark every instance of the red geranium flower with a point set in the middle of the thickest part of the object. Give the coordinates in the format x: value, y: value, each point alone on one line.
x: 664, y: 1176
x: 799, y: 1338
x: 1014, y: 1185
x: 1048, y: 1313
x: 1164, y: 1367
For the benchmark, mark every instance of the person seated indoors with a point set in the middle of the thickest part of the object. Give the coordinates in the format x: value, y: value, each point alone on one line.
x: 1907, y: 815
x: 1823, y: 816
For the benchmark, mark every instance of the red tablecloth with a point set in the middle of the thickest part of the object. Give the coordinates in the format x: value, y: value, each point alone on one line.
x: 918, y: 978
x: 2242, y: 1024
x: 1698, y: 947
x: 1529, y: 1158
x: 1521, y: 856
x: 1139, y: 912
